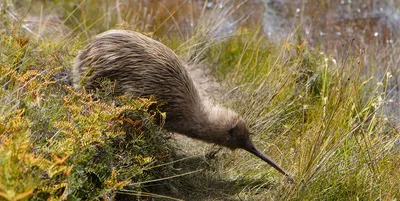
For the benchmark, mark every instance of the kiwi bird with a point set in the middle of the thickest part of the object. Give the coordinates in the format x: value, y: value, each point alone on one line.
x: 143, y: 67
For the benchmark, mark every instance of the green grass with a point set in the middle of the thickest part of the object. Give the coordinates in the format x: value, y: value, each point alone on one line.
x: 322, y: 120
x: 325, y: 118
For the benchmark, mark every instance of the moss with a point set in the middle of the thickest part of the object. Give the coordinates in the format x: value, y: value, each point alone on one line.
x: 58, y: 143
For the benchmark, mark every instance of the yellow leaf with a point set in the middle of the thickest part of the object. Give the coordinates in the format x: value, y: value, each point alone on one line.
x: 22, y: 41
x: 4, y: 195
x: 2, y: 128
x: 147, y: 159
x: 58, y: 160
x: 23, y: 195
x: 67, y: 171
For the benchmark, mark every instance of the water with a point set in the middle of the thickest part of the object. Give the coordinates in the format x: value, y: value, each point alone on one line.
x: 369, y: 21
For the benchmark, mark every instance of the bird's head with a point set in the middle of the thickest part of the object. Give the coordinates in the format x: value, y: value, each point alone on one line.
x: 238, y: 136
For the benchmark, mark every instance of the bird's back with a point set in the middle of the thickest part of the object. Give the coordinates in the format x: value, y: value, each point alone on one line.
x: 141, y: 67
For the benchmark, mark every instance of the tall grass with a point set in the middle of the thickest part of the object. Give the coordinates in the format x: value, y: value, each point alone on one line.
x: 323, y: 120
x: 320, y: 116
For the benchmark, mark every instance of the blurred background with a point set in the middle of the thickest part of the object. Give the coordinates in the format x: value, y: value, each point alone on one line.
x: 366, y: 28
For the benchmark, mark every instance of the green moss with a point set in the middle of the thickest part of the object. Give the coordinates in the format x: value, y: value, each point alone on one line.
x: 58, y: 143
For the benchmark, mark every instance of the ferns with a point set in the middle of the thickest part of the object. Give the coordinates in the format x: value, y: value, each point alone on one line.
x: 57, y: 143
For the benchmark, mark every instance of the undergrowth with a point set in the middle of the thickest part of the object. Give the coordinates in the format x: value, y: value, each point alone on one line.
x: 57, y: 143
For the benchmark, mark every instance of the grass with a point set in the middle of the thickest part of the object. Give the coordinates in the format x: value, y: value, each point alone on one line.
x: 325, y: 118
x: 322, y: 118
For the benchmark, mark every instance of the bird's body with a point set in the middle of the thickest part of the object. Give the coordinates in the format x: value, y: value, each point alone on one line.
x: 143, y: 67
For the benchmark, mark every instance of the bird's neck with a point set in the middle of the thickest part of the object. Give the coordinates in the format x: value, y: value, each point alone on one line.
x: 212, y: 123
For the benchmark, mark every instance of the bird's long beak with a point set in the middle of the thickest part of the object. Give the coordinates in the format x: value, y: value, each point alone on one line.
x: 252, y: 149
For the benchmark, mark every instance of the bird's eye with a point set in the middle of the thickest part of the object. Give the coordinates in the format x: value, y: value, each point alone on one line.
x: 230, y: 131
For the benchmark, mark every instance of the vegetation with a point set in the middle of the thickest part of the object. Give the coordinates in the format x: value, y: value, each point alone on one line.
x: 320, y: 117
